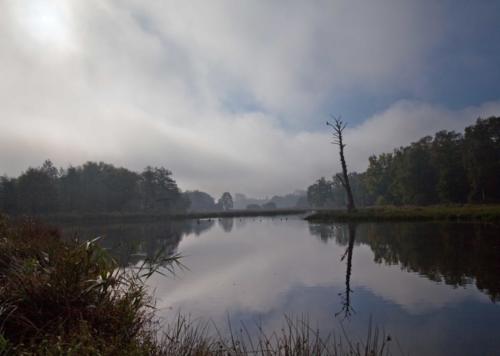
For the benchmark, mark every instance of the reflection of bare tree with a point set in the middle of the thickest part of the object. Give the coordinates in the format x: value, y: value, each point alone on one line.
x: 344, y: 238
x: 347, y: 309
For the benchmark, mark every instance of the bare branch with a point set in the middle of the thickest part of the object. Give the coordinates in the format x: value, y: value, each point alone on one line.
x: 338, y: 127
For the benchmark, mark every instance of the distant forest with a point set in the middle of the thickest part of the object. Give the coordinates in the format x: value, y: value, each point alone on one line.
x: 448, y: 168
x: 103, y: 188
x: 92, y: 187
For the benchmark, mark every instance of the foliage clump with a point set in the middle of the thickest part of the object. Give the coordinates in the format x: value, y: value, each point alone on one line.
x: 91, y: 188
x: 60, y: 297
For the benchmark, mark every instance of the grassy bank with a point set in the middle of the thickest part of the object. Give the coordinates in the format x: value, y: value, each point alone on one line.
x: 151, y: 217
x: 69, y: 298
x: 411, y: 213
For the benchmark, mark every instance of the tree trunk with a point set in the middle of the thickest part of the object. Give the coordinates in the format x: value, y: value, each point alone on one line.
x: 338, y: 128
x: 350, y: 200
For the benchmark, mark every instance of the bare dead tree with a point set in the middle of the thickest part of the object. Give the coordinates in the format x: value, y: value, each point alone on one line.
x: 338, y: 127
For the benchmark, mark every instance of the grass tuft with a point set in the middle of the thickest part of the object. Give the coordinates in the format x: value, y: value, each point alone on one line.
x: 69, y: 297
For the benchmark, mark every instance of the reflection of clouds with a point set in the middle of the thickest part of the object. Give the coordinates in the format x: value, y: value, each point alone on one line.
x: 250, y: 269
x: 257, y: 267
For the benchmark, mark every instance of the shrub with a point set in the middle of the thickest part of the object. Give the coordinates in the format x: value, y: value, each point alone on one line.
x: 59, y: 297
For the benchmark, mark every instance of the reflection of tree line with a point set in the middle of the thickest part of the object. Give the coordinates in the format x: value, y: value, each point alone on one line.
x: 456, y: 254
x: 131, y: 243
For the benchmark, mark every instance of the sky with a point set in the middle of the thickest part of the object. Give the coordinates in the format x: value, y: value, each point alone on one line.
x: 234, y: 95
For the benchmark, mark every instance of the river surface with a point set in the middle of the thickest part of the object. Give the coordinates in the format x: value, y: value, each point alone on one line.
x: 433, y: 287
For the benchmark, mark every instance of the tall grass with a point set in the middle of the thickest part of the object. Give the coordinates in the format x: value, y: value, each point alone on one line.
x: 71, y: 298
x: 296, y: 337
x: 68, y: 297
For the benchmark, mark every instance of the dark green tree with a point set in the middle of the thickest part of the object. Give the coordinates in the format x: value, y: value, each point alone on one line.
x: 70, y: 186
x: 200, y: 201
x: 320, y: 194
x: 37, y: 190
x: 482, y: 159
x: 379, y: 179
x: 447, y: 156
x: 8, y: 195
x: 415, y: 177
x: 159, y: 190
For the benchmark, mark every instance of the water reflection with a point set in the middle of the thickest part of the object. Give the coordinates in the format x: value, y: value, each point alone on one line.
x: 433, y: 283
x: 131, y: 243
x: 347, y: 308
x: 226, y: 224
x: 457, y: 254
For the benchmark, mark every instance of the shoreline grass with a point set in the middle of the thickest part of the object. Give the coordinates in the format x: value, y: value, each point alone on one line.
x: 154, y: 217
x: 59, y: 297
x: 295, y: 337
x: 485, y: 213
x: 70, y: 298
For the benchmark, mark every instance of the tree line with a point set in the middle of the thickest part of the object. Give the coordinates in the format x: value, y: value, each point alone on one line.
x: 100, y: 188
x: 448, y: 167
x: 91, y: 187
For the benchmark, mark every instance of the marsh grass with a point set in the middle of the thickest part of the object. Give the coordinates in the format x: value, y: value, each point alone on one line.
x: 489, y: 213
x: 105, y: 218
x: 296, y: 337
x: 71, y: 298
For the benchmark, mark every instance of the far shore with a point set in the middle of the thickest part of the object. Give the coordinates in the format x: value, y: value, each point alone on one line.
x: 490, y: 213
x: 156, y: 217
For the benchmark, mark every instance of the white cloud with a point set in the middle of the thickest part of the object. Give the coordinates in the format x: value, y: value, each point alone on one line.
x: 141, y: 83
x: 407, y: 121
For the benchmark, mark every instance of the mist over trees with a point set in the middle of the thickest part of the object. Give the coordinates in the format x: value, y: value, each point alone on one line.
x: 201, y: 201
x: 103, y: 188
x: 448, y: 168
x: 296, y: 199
x: 92, y: 187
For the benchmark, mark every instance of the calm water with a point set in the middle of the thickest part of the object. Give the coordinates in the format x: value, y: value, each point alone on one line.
x: 431, y: 286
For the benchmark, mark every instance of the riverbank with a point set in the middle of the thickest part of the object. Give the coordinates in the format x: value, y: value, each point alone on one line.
x: 489, y: 213
x: 154, y: 217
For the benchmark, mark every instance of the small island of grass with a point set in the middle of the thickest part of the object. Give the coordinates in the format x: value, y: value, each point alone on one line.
x: 488, y: 213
